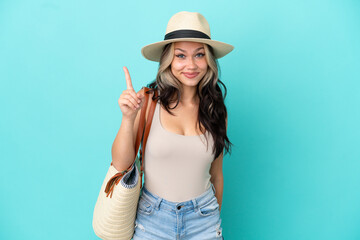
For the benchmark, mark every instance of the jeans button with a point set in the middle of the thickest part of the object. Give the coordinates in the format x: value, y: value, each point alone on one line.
x: 178, y: 207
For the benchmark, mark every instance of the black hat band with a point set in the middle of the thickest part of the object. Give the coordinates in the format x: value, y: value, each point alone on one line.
x: 185, y: 34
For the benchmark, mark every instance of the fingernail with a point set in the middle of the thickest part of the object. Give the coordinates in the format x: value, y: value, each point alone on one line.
x: 138, y: 105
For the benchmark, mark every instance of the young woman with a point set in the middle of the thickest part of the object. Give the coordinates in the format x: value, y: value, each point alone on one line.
x: 183, y: 186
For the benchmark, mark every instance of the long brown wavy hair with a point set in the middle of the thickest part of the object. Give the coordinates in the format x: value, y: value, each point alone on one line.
x: 212, y: 112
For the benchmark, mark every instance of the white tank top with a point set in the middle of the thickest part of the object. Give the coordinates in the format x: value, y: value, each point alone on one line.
x: 176, y: 166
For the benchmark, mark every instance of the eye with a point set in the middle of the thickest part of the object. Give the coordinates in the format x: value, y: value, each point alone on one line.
x: 180, y: 55
x: 200, y: 54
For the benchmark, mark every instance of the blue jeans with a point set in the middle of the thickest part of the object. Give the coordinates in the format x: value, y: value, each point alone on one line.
x: 159, y: 219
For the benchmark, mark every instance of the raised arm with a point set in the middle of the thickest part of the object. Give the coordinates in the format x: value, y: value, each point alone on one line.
x: 130, y: 102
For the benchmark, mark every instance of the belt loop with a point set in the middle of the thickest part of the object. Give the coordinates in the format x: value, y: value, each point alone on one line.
x: 157, y: 204
x: 195, y: 204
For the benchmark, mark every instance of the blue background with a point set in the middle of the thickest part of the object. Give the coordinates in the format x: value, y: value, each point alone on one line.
x: 293, y: 102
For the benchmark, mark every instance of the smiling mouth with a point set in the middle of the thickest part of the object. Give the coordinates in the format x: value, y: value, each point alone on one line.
x: 191, y: 75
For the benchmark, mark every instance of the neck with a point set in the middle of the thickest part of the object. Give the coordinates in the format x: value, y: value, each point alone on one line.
x: 189, y: 95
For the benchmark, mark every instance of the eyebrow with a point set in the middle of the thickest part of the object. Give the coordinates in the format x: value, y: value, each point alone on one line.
x: 185, y: 51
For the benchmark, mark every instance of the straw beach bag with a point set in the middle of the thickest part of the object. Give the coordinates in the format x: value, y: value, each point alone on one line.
x: 116, y: 206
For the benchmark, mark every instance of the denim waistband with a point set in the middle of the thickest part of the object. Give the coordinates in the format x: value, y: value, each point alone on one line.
x: 163, y: 204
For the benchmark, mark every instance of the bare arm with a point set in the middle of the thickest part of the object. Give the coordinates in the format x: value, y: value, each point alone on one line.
x: 130, y: 102
x: 217, y: 177
x: 122, y: 151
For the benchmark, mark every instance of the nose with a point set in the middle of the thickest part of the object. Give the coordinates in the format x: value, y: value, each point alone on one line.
x: 191, y: 64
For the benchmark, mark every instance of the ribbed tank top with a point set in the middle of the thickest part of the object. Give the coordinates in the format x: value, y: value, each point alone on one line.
x: 176, y: 166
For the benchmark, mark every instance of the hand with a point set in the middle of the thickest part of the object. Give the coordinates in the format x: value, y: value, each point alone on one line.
x: 130, y: 102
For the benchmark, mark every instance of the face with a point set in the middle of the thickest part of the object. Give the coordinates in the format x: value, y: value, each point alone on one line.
x: 189, y: 64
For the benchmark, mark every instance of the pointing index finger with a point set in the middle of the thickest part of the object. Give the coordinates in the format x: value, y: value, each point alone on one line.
x: 128, y: 79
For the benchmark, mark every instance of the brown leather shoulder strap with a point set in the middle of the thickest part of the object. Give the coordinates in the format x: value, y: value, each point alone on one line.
x: 147, y: 129
x: 141, y: 123
x: 149, y: 120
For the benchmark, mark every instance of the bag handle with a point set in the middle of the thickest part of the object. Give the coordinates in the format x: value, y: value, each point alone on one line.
x: 146, y: 134
x: 140, y: 133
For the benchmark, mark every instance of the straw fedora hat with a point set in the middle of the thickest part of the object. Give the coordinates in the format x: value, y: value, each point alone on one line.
x: 186, y: 26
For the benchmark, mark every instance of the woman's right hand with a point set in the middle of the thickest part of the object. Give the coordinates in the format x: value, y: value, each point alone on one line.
x: 130, y: 102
